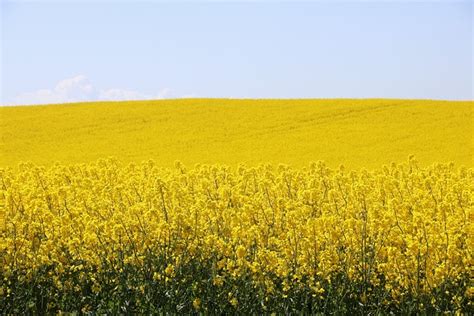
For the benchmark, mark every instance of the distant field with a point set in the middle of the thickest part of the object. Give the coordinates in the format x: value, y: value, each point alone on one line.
x: 356, y: 133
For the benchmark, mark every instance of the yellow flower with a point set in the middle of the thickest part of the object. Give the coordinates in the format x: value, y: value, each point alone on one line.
x: 96, y: 288
x: 197, y: 304
x: 157, y: 276
x: 240, y: 252
x: 218, y: 281
x: 169, y: 270
x: 234, y: 302
x: 470, y: 291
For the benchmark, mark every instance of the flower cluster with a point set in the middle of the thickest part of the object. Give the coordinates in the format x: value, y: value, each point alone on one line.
x: 137, y: 237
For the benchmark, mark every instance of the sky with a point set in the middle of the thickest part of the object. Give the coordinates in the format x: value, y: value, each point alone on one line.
x: 68, y: 51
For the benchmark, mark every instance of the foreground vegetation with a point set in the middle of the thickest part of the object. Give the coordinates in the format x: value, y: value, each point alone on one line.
x: 138, y: 238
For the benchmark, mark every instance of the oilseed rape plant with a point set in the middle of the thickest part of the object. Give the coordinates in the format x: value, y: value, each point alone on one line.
x: 113, y: 237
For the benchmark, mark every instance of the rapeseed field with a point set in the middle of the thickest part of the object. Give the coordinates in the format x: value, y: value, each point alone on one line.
x: 237, y: 207
x: 356, y: 133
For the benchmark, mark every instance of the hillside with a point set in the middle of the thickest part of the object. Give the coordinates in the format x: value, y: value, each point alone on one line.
x: 357, y: 133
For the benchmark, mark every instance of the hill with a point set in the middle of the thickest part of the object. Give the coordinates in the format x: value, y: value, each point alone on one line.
x: 356, y: 133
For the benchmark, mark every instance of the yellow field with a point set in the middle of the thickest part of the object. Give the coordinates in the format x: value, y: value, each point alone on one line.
x: 356, y: 133
x: 107, y: 236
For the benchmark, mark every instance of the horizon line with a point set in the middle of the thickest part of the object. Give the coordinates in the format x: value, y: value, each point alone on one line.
x: 229, y: 99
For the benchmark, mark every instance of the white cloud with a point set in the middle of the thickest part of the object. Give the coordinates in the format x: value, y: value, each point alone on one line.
x: 73, y: 89
x: 79, y: 89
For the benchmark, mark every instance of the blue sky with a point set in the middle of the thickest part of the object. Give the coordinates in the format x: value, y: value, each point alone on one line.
x: 53, y: 51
